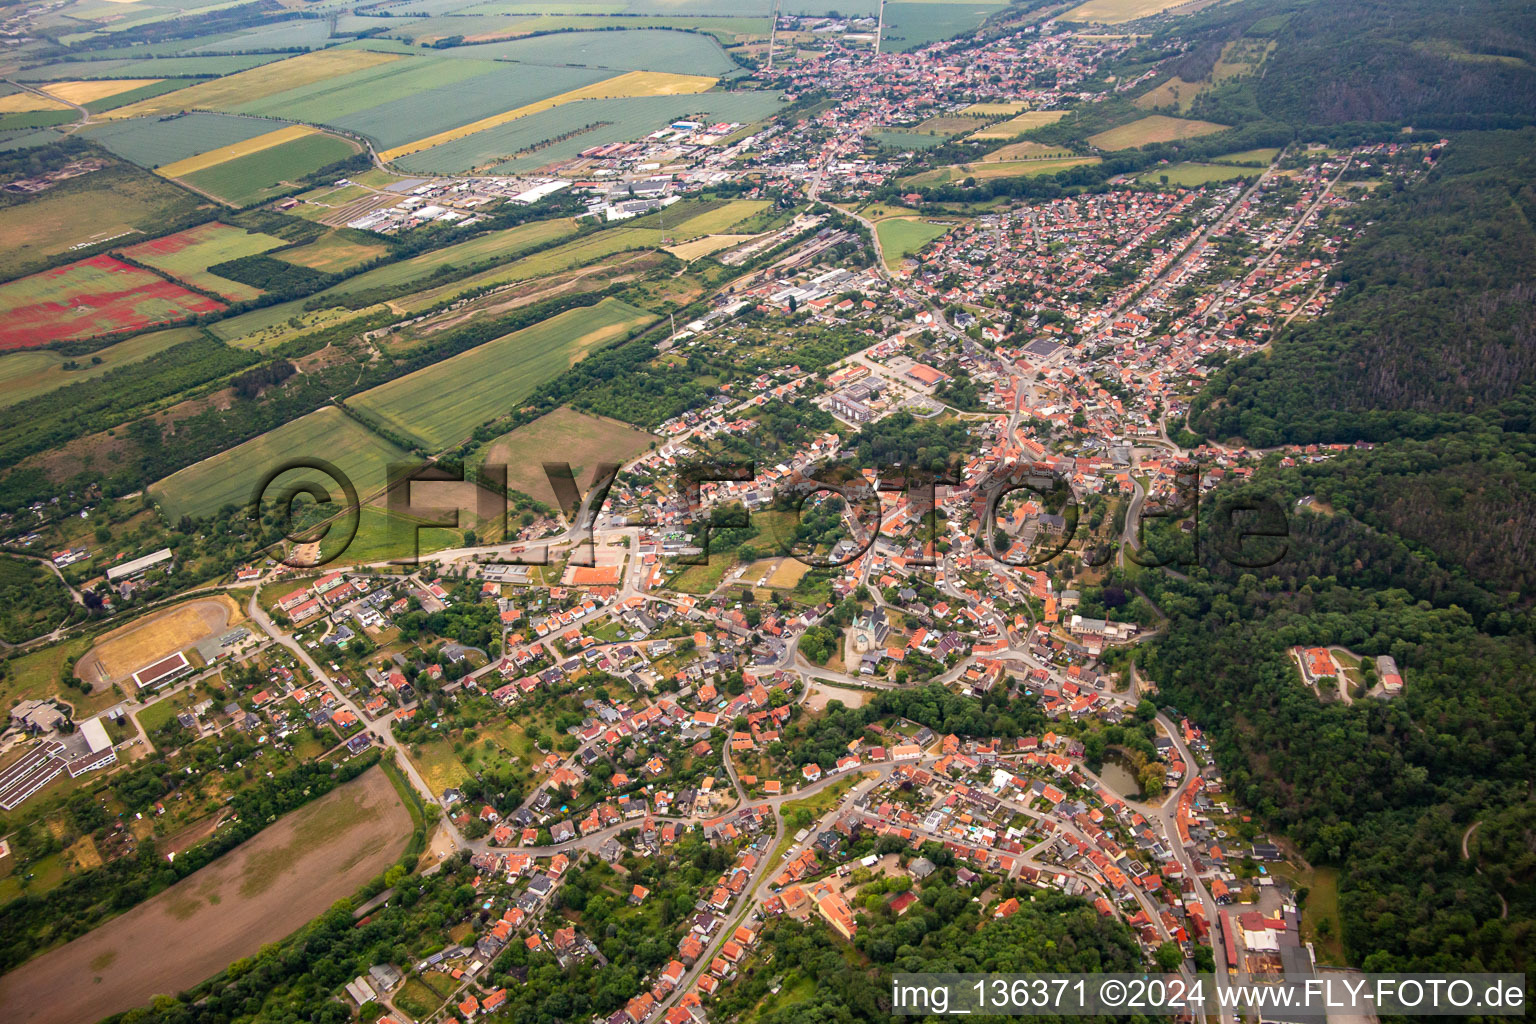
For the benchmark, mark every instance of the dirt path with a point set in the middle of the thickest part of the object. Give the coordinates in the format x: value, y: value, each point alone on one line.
x: 262, y: 891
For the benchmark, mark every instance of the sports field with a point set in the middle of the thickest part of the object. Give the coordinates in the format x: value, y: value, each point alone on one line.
x: 258, y: 893
x: 567, y: 436
x: 268, y: 172
x: 442, y: 404
x: 1153, y: 128
x: 632, y: 83
x: 234, y: 91
x: 158, y: 635
x: 1019, y: 124
x: 36, y: 372
x: 229, y: 477
x: 900, y: 237
x: 187, y: 255
x: 98, y: 296
x: 83, y: 92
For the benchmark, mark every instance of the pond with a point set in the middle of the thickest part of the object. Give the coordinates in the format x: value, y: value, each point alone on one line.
x: 1118, y: 776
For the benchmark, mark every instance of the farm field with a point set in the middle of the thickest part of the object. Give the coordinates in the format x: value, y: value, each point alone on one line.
x: 36, y: 372
x: 578, y: 252
x: 160, y: 634
x: 719, y: 220
x: 443, y: 403
x: 1150, y: 129
x: 258, y: 893
x: 1192, y: 174
x: 93, y: 297
x: 159, y: 67
x: 902, y: 138
x: 1117, y: 12
x: 89, y: 91
x: 578, y: 438
x: 268, y: 172
x: 245, y: 147
x: 240, y: 89
x: 229, y: 477
x: 706, y: 246
x: 1248, y: 156
x: 637, y: 49
x: 187, y: 255
x: 911, y: 25
x: 993, y: 109
x: 1000, y: 169
x: 492, y: 245
x: 540, y: 139
x: 334, y: 253
x: 900, y: 237
x: 375, y: 542
x: 1019, y: 124
x: 108, y: 204
x: 156, y: 143
x: 633, y: 83
x: 22, y: 101
x: 1026, y: 151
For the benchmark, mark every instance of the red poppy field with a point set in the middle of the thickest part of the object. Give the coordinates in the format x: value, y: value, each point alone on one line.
x: 99, y: 296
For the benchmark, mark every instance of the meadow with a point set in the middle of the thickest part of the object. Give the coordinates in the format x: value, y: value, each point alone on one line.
x: 1249, y: 157
x: 229, y: 477
x: 98, y: 296
x: 187, y: 255
x: 901, y: 138
x: 1194, y: 174
x: 1151, y: 129
x: 577, y: 438
x: 258, y: 893
x: 112, y: 202
x: 36, y: 372
x: 1026, y: 151
x: 900, y: 237
x: 719, y: 220
x: 443, y: 403
x: 335, y: 252
x: 267, y: 173
x: 380, y: 538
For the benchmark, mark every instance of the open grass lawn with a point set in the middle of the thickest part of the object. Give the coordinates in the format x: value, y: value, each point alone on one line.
x: 383, y: 536
x: 1250, y: 157
x: 187, y: 255
x: 443, y: 403
x: 36, y: 372
x: 91, y: 298
x: 1193, y: 174
x: 1150, y: 129
x: 439, y: 765
x: 229, y: 477
x: 416, y: 999
x: 1322, y: 904
x: 269, y: 172
x: 39, y: 674
x: 701, y: 579
x: 569, y: 436
x: 901, y: 237
x: 113, y: 203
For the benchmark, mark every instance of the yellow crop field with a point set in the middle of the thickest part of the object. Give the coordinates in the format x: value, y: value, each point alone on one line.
x: 629, y: 84
x: 1024, y: 122
x: 989, y: 109
x: 267, y: 80
x: 23, y: 102
x: 90, y: 92
x: 214, y: 157
x: 1115, y: 12
x: 690, y: 251
x: 1153, y: 128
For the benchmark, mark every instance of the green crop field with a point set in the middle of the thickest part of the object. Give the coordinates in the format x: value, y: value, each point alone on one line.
x: 901, y: 237
x: 26, y: 375
x: 143, y: 92
x: 151, y: 67
x: 229, y: 477
x: 526, y: 143
x: 493, y: 245
x: 641, y: 49
x: 444, y: 403
x: 576, y: 253
x: 1254, y: 157
x: 1153, y: 128
x: 153, y: 143
x: 911, y: 25
x: 719, y: 220
x: 266, y: 173
x: 187, y: 255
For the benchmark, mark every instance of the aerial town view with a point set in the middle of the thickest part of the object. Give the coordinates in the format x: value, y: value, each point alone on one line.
x: 766, y: 511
